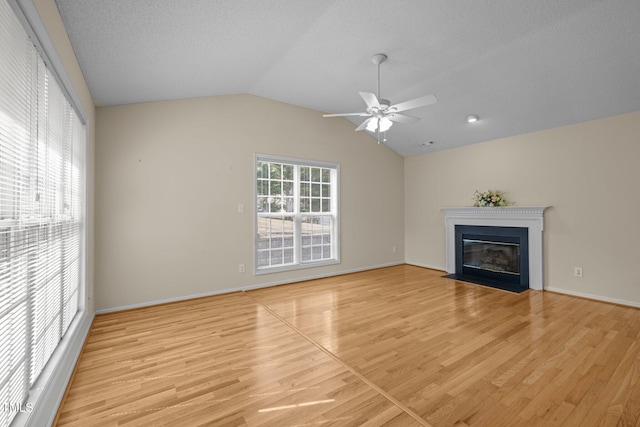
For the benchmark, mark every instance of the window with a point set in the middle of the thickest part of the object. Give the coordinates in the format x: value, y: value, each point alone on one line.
x: 296, y: 213
x: 42, y: 143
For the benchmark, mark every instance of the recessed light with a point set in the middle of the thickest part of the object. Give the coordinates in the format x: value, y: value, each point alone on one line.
x: 472, y: 118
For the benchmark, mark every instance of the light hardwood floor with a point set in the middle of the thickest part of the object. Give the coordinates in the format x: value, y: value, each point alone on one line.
x: 398, y: 346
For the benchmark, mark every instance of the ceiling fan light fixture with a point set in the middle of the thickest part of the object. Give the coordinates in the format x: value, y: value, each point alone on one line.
x: 385, y: 124
x: 373, y: 124
x: 472, y: 118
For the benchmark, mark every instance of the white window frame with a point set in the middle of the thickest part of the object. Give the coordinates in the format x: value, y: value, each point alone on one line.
x: 298, y: 216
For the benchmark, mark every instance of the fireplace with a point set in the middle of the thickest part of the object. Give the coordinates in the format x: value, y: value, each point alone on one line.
x: 529, y: 249
x: 493, y: 256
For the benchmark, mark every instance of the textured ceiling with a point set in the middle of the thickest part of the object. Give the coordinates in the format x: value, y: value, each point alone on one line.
x: 520, y: 65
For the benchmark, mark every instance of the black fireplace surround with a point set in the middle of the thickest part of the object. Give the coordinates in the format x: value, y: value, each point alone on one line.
x: 492, y: 256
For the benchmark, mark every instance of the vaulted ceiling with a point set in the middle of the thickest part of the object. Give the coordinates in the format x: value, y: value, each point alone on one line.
x: 520, y: 65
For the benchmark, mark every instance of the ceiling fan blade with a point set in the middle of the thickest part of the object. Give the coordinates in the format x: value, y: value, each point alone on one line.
x: 346, y: 114
x: 402, y: 118
x: 364, y: 124
x: 370, y: 99
x: 423, y: 101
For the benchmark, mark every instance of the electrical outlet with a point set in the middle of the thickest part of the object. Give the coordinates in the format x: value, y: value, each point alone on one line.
x: 393, y: 249
x: 241, y: 268
x: 577, y: 271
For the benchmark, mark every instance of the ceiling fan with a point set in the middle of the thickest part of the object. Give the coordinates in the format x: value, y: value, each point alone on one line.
x: 381, y: 113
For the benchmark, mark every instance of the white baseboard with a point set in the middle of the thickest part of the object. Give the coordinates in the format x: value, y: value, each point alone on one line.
x: 242, y: 288
x: 593, y: 297
x: 318, y: 276
x: 431, y: 267
x: 167, y: 300
x: 553, y: 289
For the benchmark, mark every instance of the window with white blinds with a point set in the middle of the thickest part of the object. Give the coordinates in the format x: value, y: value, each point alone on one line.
x: 42, y: 143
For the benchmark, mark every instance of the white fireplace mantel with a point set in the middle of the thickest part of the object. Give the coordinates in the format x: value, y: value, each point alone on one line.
x: 531, y: 217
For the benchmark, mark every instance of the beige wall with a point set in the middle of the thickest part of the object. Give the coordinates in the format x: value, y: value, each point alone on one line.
x: 52, y: 21
x: 587, y: 172
x: 170, y: 176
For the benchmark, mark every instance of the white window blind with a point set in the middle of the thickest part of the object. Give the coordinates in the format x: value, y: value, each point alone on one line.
x: 42, y: 143
x: 296, y: 213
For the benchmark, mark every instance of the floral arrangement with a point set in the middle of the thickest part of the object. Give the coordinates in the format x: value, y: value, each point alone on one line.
x: 489, y: 199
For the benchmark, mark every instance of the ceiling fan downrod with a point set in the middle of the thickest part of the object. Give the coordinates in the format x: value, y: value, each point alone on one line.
x: 378, y: 59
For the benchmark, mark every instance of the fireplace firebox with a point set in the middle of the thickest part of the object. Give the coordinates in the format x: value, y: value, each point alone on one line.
x: 492, y: 256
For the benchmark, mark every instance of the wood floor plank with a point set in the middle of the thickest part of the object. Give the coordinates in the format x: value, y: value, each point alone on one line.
x: 398, y: 346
